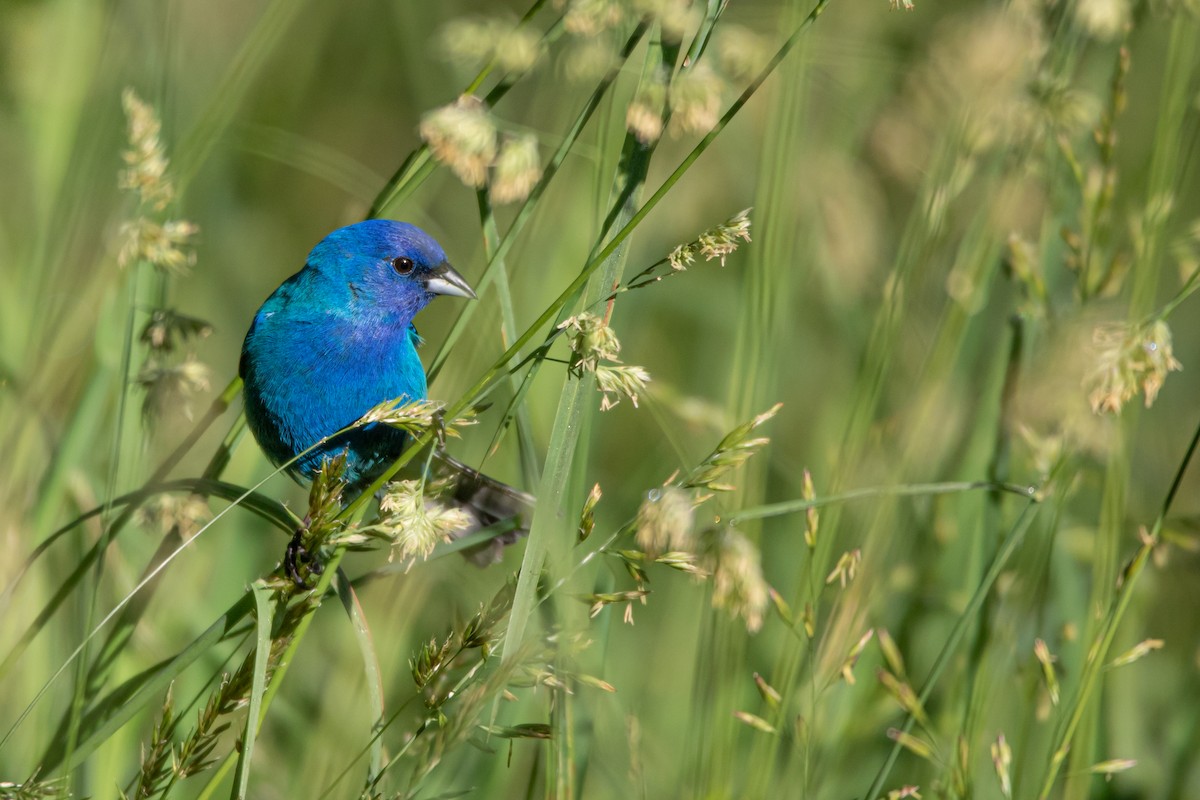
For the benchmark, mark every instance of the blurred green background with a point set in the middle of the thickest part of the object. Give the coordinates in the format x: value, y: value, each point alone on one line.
x: 918, y: 180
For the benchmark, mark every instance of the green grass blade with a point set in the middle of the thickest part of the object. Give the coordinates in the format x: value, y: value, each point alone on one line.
x: 264, y: 614
x: 372, y: 673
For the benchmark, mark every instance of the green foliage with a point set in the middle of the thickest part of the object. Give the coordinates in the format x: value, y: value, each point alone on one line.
x: 900, y: 499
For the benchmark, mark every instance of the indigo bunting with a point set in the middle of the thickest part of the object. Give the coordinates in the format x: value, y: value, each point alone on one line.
x: 335, y: 340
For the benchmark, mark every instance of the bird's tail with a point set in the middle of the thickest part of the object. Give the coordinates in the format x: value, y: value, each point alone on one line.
x: 488, y: 502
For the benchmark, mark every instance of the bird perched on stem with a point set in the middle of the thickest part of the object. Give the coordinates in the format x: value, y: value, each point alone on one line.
x: 337, y: 339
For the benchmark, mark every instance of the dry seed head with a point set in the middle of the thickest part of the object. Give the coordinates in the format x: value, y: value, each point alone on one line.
x: 695, y: 98
x: 166, y: 328
x: 591, y: 341
x: 741, y: 53
x: 414, y: 416
x: 1103, y: 19
x: 165, y: 245
x: 665, y: 521
x: 165, y: 512
x: 590, y: 17
x: 589, y: 60
x: 463, y: 137
x: 717, y: 242
x: 1129, y: 359
x: 172, y: 388
x: 146, y: 159
x: 738, y: 584
x: 675, y: 17
x: 644, y: 117
x: 681, y: 257
x: 896, y: 5
x: 615, y: 381
x: 418, y: 524
x: 517, y: 170
x: 1064, y: 108
x: 515, y: 49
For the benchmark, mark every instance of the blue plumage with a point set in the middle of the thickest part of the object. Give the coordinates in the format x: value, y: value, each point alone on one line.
x: 336, y: 339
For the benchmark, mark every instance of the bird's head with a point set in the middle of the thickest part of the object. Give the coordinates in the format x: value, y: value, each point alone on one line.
x: 394, y: 266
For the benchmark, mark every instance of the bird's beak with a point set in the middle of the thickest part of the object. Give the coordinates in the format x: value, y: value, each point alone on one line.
x: 444, y: 280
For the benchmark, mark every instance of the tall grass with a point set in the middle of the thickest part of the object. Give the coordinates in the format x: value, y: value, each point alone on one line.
x: 960, y: 566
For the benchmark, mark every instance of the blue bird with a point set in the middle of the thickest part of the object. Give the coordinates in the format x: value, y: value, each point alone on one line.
x: 336, y: 339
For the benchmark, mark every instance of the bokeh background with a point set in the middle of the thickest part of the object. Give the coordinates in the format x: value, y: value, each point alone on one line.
x: 925, y: 184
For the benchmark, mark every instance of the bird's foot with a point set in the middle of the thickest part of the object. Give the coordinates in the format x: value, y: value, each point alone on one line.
x: 299, y: 562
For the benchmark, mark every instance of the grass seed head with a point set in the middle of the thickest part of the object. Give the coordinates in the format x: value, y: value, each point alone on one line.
x: 1129, y: 359
x: 473, y: 41
x: 146, y: 159
x: 413, y: 416
x: 591, y: 341
x: 589, y: 60
x: 741, y: 53
x: 167, y: 329
x: 644, y: 117
x: 674, y: 17
x: 172, y: 388
x: 716, y: 242
x: 166, y: 512
x: 695, y: 99
x: 665, y: 521
x: 463, y: 137
x: 588, y: 18
x: 738, y: 583
x: 1103, y: 19
x: 616, y: 381
x: 166, y: 245
x: 417, y: 524
x: 734, y: 450
x: 517, y: 170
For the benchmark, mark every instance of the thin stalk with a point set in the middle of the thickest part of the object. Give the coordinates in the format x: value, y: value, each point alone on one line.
x: 957, y: 633
x: 78, y: 698
x: 907, y: 490
x: 491, y: 239
x: 1098, y: 654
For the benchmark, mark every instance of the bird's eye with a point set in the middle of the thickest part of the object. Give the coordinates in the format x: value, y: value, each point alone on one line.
x: 402, y: 265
